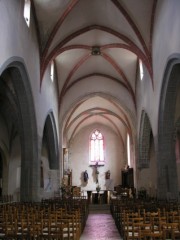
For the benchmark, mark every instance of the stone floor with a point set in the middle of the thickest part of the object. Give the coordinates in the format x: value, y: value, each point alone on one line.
x: 100, y: 226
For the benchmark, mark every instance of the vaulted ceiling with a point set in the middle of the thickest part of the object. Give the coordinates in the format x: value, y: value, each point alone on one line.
x: 94, y: 41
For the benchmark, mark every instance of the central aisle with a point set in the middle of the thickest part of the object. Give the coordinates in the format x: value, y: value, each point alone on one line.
x: 100, y: 226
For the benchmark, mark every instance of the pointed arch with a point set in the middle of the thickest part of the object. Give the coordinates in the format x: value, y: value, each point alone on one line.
x: 144, y: 141
x: 50, y: 135
x: 167, y: 176
x: 14, y: 69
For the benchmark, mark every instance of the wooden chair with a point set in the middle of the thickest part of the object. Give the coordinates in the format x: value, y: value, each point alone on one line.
x: 10, y: 229
x: 172, y: 225
x: 155, y: 229
x: 73, y: 229
x: 132, y: 228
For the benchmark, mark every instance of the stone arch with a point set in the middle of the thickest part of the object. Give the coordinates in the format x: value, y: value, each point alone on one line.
x: 4, y: 177
x: 50, y: 137
x: 147, y: 174
x: 177, y: 149
x: 145, y: 136
x: 19, y: 98
x: 9, y: 125
x: 177, y: 140
x: 1, y: 173
x: 167, y: 175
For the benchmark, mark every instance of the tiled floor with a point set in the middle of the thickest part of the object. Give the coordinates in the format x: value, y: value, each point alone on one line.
x: 100, y: 226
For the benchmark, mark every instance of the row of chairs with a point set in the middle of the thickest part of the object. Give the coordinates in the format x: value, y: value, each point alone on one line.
x: 45, y: 220
x: 70, y: 203
x: 6, y: 198
x: 146, y: 220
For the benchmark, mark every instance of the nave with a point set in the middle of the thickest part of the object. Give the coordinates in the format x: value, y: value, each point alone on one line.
x: 74, y: 73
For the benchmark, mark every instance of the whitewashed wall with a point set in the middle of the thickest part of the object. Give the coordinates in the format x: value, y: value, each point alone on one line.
x: 166, y: 43
x: 79, y: 158
x: 19, y: 42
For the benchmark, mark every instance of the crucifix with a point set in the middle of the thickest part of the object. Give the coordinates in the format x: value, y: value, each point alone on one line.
x: 96, y: 172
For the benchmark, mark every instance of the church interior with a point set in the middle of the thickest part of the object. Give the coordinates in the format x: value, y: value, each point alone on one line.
x: 89, y: 115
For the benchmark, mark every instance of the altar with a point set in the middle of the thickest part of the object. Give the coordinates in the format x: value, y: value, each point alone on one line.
x: 98, y: 197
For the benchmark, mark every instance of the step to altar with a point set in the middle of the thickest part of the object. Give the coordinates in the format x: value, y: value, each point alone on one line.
x: 99, y: 207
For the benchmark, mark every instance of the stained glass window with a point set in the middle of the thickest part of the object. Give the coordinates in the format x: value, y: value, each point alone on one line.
x: 141, y: 70
x: 27, y: 10
x: 96, y: 148
x: 128, y: 150
x: 52, y: 71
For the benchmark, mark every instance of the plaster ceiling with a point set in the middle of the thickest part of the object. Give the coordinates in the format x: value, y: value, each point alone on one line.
x: 97, y: 39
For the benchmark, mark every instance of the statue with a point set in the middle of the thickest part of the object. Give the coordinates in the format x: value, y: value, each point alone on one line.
x: 86, y: 177
x: 108, y: 174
